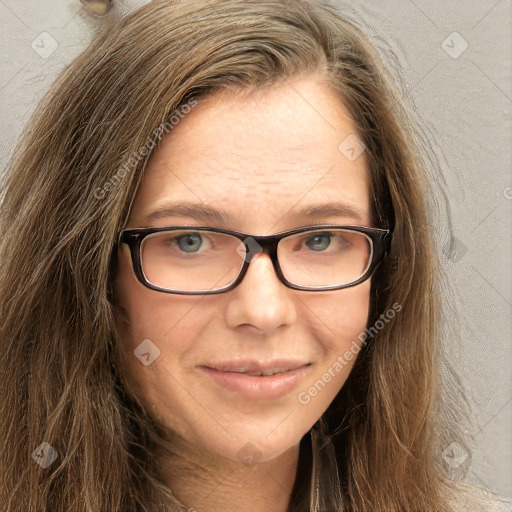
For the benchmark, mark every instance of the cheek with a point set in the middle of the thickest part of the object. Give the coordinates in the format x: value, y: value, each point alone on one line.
x: 340, y: 323
x: 146, y: 314
x: 342, y: 316
x: 150, y: 323
x: 157, y: 333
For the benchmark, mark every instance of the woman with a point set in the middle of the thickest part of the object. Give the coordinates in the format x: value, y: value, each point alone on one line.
x: 162, y: 347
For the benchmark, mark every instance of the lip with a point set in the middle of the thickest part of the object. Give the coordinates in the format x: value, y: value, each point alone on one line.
x: 257, y: 365
x: 229, y: 376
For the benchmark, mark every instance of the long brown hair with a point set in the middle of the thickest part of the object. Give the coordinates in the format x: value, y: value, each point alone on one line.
x: 68, y: 193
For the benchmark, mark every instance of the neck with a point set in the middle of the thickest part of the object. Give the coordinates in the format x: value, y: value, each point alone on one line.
x: 202, y: 480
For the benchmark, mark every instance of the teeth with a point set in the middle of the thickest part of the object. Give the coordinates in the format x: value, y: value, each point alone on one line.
x: 271, y: 371
x: 238, y: 370
x: 258, y: 373
x: 249, y: 370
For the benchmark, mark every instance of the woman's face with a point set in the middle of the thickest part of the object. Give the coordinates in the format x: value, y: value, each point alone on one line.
x: 262, y: 159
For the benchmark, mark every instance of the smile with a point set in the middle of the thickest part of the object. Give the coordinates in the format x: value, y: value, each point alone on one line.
x: 255, y: 380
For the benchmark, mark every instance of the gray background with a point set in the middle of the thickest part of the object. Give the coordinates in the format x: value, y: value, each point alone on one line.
x: 462, y: 94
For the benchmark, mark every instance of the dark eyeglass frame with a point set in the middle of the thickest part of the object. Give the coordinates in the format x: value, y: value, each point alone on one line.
x: 380, y: 238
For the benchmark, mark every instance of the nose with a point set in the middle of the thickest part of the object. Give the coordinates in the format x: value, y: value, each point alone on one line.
x: 261, y: 300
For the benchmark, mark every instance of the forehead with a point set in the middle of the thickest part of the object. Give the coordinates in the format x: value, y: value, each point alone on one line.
x: 261, y: 157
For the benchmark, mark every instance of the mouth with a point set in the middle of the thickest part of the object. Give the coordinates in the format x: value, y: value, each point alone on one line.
x: 257, y: 380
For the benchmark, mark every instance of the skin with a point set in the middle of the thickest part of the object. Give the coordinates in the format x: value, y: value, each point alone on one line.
x: 261, y: 156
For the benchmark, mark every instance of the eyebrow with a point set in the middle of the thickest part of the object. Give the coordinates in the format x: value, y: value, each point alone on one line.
x: 202, y: 212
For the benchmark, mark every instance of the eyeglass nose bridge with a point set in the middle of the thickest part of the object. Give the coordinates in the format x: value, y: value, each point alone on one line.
x: 252, y: 246
x: 255, y: 245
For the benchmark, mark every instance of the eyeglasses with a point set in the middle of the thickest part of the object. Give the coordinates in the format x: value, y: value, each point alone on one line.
x: 192, y: 260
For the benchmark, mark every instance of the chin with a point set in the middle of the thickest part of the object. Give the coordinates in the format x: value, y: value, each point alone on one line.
x: 253, y: 442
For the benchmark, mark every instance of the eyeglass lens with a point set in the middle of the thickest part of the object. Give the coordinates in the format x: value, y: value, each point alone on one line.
x: 190, y: 260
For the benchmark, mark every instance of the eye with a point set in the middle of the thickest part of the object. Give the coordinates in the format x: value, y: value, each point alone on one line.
x: 319, y: 241
x: 189, y: 242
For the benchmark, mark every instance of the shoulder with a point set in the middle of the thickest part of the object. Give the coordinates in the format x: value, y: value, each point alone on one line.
x: 463, y: 497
